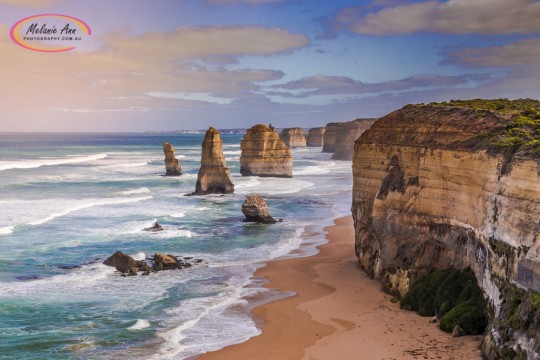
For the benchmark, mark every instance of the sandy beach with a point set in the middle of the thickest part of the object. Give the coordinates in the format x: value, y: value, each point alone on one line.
x: 340, y: 313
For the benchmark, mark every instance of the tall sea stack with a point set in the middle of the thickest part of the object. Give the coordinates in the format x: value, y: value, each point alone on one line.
x: 172, y: 166
x: 315, y: 137
x: 329, y: 137
x: 293, y: 137
x: 456, y: 185
x: 264, y: 153
x: 346, y: 135
x: 214, y: 177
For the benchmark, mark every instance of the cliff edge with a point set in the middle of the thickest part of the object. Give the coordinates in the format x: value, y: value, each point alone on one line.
x: 457, y: 185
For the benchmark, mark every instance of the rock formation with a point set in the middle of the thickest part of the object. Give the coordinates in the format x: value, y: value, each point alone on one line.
x: 456, y: 185
x: 214, y: 177
x: 346, y: 135
x: 264, y: 153
x: 315, y: 137
x: 129, y: 266
x: 293, y: 137
x: 329, y: 137
x: 126, y: 264
x: 154, y: 228
x: 172, y: 166
x: 255, y: 210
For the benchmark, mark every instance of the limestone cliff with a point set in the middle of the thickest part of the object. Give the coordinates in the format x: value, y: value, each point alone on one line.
x: 456, y: 185
x: 255, y: 209
x: 315, y: 137
x: 293, y: 137
x: 329, y: 137
x: 214, y: 176
x: 172, y: 166
x: 346, y: 135
x: 264, y: 153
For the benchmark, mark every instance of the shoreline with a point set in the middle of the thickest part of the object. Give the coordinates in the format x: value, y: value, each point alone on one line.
x: 338, y: 312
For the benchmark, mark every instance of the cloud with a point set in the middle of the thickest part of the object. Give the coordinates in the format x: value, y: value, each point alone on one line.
x: 201, y: 42
x: 29, y: 3
x: 250, y: 2
x: 524, y: 52
x: 449, y: 17
x: 340, y: 85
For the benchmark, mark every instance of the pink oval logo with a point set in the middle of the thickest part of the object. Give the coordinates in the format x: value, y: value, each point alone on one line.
x: 49, y: 32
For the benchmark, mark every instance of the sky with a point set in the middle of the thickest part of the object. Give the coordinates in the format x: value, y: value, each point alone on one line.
x: 158, y: 65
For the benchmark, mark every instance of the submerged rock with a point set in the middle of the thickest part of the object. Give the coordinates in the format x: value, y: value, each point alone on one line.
x: 256, y: 210
x: 264, y: 153
x: 214, y: 176
x: 165, y: 262
x: 172, y: 166
x: 154, y: 228
x: 158, y: 262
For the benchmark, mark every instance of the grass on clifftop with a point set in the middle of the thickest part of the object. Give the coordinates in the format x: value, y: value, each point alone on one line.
x: 452, y: 295
x: 521, y: 133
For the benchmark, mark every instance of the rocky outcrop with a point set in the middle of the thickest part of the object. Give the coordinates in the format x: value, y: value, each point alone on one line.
x: 264, y: 153
x: 315, y: 137
x: 450, y: 186
x: 346, y: 135
x: 129, y: 266
x: 172, y: 166
x: 214, y: 176
x: 154, y: 228
x: 329, y: 137
x: 293, y: 137
x: 256, y: 210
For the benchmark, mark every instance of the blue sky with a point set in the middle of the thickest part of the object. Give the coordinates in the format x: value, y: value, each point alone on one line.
x: 190, y: 64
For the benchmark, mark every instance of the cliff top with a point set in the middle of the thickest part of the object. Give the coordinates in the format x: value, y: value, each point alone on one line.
x: 499, y: 126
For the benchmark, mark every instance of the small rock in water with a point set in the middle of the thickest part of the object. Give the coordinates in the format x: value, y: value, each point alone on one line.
x: 255, y: 209
x: 154, y: 228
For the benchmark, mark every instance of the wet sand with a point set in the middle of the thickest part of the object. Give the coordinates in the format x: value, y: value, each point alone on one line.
x: 338, y: 312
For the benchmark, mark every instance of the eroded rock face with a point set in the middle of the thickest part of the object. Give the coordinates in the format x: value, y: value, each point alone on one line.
x: 123, y: 263
x: 154, y: 228
x: 346, y: 135
x: 315, y: 137
x: 293, y: 137
x: 264, y: 153
x: 256, y: 210
x: 172, y: 166
x: 129, y: 266
x: 214, y: 176
x: 426, y: 196
x: 329, y: 137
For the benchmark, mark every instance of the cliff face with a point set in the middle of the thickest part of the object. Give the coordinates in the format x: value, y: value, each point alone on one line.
x: 315, y: 137
x: 264, y: 153
x: 346, y: 135
x: 427, y: 196
x: 293, y: 137
x: 329, y: 137
x: 214, y: 177
x: 172, y: 166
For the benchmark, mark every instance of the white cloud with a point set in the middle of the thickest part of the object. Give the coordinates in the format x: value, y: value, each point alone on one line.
x: 206, y: 97
x: 524, y: 52
x: 450, y: 17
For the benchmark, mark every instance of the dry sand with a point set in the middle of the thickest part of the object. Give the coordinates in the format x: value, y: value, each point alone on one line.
x: 339, y: 313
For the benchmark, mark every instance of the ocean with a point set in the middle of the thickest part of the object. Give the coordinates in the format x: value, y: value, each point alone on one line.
x: 69, y: 201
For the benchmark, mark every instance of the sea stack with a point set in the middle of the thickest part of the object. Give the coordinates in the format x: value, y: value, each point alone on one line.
x: 172, y: 166
x: 264, y: 153
x: 256, y: 210
x: 293, y: 137
x: 456, y: 185
x: 347, y: 133
x: 315, y: 137
x: 214, y: 177
x: 329, y: 137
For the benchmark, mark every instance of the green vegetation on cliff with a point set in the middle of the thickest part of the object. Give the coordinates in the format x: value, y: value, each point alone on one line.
x: 521, y: 133
x: 452, y: 295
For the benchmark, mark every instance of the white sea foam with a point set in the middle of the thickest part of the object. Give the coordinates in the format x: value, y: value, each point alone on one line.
x: 244, y: 182
x: 31, y: 164
x: 276, y: 186
x: 6, y: 230
x: 322, y: 168
x: 139, y: 256
x: 88, y: 204
x: 143, y: 190
x: 139, y: 325
x: 232, y: 152
x: 178, y: 215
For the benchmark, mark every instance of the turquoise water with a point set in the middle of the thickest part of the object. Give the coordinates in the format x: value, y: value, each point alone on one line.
x: 68, y: 201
